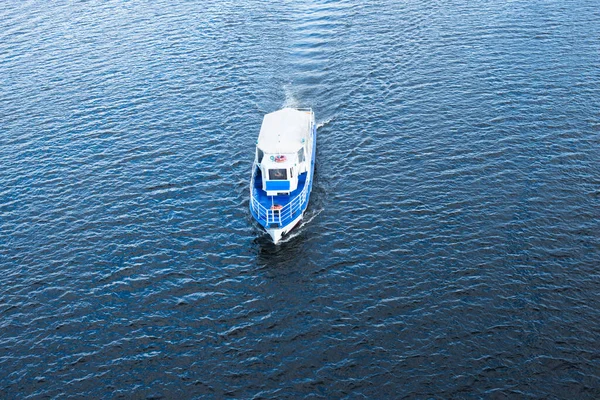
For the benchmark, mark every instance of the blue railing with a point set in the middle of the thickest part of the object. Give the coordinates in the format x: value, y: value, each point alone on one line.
x: 283, y: 215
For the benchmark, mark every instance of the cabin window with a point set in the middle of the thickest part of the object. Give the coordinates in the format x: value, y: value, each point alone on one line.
x: 301, y: 155
x: 278, y: 174
x: 259, y: 154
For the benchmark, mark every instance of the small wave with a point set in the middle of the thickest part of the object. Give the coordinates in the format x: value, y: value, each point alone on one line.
x: 311, y: 216
x: 297, y: 231
x: 324, y: 123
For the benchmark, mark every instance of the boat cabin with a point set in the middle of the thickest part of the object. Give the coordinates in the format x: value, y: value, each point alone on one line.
x: 281, y: 150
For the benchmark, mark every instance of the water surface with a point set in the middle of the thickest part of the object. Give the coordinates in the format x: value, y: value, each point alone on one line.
x: 450, y: 250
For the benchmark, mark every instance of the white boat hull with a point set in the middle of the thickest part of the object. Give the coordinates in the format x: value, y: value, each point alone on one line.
x: 277, y: 233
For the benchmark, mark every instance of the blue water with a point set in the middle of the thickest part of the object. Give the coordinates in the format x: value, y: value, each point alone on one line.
x: 451, y: 248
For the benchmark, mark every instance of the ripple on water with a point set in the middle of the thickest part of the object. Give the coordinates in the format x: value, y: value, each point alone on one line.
x: 451, y: 242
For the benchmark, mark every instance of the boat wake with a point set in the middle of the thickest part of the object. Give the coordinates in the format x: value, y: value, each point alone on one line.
x: 311, y: 217
x: 297, y: 231
x: 324, y: 123
x: 290, y: 99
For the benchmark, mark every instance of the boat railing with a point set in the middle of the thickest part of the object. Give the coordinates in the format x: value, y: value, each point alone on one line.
x: 283, y: 215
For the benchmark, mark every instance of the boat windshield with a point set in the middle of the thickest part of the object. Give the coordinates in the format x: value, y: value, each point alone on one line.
x: 301, y: 155
x: 279, y: 174
x: 259, y: 154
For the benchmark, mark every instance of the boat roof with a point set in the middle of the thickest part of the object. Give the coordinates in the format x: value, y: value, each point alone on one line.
x: 282, y: 131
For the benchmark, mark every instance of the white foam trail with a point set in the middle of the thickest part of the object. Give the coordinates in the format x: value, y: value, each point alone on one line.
x: 322, y: 124
x: 290, y: 100
x: 298, y: 229
x: 308, y: 221
x: 295, y: 233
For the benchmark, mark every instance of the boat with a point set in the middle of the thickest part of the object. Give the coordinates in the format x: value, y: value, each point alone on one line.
x: 282, y: 173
